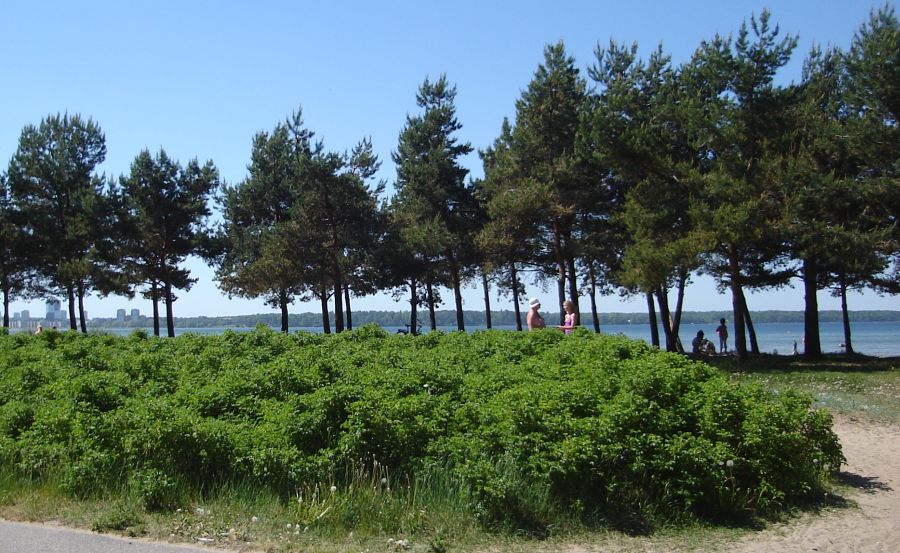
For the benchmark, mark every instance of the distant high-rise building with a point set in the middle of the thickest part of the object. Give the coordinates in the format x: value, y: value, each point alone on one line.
x: 16, y: 315
x: 54, y: 311
x: 120, y: 315
x: 26, y: 314
x: 135, y: 314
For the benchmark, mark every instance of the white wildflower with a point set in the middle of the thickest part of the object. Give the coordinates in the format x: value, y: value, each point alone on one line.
x: 254, y: 519
x: 333, y: 489
x: 729, y: 463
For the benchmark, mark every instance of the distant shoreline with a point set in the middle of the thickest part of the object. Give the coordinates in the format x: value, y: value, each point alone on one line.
x: 475, y: 318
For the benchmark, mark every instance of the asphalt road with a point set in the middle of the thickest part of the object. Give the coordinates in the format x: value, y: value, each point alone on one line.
x: 17, y: 537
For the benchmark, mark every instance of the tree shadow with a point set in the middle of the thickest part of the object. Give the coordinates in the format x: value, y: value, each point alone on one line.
x: 766, y: 363
x: 868, y: 484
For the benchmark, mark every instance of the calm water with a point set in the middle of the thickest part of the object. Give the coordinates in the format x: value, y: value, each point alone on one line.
x: 880, y: 339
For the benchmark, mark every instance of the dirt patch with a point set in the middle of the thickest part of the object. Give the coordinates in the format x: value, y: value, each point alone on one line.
x: 871, y: 525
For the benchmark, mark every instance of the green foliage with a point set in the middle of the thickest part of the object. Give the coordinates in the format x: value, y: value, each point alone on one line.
x: 62, y: 212
x: 123, y: 519
x: 164, y: 205
x: 523, y: 430
x: 434, y: 210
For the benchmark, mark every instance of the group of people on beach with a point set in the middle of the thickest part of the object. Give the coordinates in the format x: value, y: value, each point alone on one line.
x: 699, y: 344
x: 702, y: 345
x: 535, y: 320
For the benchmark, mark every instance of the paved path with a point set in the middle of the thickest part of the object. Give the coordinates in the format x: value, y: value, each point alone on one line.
x: 17, y: 537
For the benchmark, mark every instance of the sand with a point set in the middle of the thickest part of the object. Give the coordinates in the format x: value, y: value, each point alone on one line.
x: 871, y: 524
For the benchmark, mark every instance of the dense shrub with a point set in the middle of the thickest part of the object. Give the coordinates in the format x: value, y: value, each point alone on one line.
x: 537, y: 424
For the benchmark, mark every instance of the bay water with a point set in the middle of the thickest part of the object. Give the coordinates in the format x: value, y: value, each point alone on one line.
x: 877, y: 339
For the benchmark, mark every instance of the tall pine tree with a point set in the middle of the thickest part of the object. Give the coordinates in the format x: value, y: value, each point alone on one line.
x: 431, y: 189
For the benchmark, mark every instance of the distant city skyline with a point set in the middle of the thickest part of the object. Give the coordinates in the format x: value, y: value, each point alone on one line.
x: 202, y: 83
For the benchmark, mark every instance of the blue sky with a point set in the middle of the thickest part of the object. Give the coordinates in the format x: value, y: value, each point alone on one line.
x: 199, y: 78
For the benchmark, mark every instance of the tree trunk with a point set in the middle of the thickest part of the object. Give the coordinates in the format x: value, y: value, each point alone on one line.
x: 457, y: 291
x: 573, y: 286
x: 594, y: 314
x: 751, y: 330
x: 561, y: 274
x: 487, y: 298
x: 679, y: 306
x: 430, y: 302
x: 338, y: 300
x: 561, y: 294
x: 812, y: 345
x: 323, y: 299
x: 845, y: 317
x: 662, y: 298
x: 651, y: 314
x: 70, y: 295
x: 514, y: 286
x: 347, y: 306
x: 154, y: 296
x: 81, y: 308
x: 737, y: 304
x: 5, y: 308
x: 170, y: 318
x: 283, y: 303
x: 413, y: 304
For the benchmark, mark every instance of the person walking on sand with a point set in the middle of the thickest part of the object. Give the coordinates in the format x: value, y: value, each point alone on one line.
x: 722, y: 331
x: 534, y: 319
x: 570, y: 321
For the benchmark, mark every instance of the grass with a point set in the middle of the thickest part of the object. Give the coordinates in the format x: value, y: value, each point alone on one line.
x: 381, y: 512
x: 850, y: 386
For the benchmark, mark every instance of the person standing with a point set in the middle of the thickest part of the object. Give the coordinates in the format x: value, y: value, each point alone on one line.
x: 534, y: 319
x: 722, y: 331
x: 570, y: 321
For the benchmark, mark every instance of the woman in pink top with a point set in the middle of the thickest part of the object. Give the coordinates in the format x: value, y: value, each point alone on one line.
x: 570, y: 321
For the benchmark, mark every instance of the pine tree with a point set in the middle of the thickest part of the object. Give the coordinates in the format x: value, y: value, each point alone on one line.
x: 544, y: 139
x: 166, y: 206
x: 14, y: 271
x: 64, y: 212
x: 638, y: 132
x: 255, y: 235
x: 432, y: 197
x: 742, y: 117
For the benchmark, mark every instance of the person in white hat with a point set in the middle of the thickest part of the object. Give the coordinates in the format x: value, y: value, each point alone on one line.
x: 534, y: 319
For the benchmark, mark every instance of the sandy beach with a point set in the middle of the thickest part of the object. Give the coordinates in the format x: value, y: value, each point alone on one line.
x: 871, y: 524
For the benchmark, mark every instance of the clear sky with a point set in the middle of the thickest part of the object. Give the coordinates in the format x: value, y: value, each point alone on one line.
x: 200, y: 78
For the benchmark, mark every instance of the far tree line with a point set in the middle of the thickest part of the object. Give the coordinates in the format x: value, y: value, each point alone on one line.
x: 628, y: 181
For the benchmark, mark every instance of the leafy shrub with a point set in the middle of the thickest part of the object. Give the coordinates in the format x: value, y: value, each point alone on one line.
x: 124, y: 518
x: 538, y: 426
x: 156, y: 489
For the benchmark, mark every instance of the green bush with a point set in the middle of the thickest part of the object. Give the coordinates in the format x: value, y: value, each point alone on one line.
x: 538, y: 426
